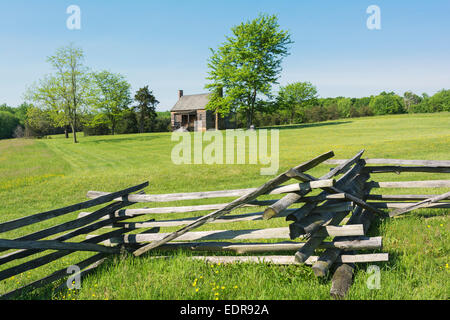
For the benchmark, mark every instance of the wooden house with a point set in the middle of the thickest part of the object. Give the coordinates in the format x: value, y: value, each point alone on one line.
x: 189, y: 114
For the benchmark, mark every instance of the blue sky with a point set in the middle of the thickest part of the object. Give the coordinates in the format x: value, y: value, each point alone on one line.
x: 165, y: 44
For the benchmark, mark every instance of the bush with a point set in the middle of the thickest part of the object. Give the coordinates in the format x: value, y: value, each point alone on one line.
x: 439, y: 102
x: 344, y: 106
x: 162, y: 124
x: 8, y: 122
x: 386, y: 103
x: 128, y: 123
x: 38, y: 123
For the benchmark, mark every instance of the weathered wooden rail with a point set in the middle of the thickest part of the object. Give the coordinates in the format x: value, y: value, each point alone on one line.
x: 327, y: 230
x: 33, y: 244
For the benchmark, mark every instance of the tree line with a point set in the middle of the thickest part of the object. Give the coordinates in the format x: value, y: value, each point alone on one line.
x: 74, y: 98
x: 295, y: 103
x: 299, y: 103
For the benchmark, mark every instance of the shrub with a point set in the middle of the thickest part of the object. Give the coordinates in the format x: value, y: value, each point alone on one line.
x: 162, y: 124
x: 8, y: 122
x: 386, y: 103
x: 439, y: 102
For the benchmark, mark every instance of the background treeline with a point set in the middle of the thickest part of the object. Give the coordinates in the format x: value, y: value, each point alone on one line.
x: 316, y: 109
x: 30, y: 121
x: 128, y: 123
x: 27, y: 120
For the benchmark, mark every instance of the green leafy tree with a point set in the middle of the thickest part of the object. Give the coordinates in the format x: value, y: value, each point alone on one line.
x: 411, y: 99
x: 128, y: 123
x: 344, y: 106
x: 295, y: 97
x: 440, y: 101
x: 112, y: 97
x: 5, y: 107
x: 39, y: 122
x: 386, y: 103
x: 146, y: 108
x: 247, y: 65
x: 21, y: 112
x: 68, y: 92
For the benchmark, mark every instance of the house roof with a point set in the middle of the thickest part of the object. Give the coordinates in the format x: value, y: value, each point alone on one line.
x: 192, y: 102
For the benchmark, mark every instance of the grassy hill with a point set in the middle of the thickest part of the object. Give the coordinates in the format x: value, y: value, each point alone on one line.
x: 38, y: 175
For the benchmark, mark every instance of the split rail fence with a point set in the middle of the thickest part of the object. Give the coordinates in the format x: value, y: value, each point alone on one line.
x: 327, y: 229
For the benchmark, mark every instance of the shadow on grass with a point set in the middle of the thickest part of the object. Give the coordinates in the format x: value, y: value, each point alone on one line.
x: 394, y: 258
x: 306, y: 125
x: 113, y: 139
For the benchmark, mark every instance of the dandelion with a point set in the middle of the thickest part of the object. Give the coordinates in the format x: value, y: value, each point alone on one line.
x: 446, y: 265
x: 217, y: 271
x: 216, y: 294
x: 223, y: 288
x: 235, y: 287
x: 428, y: 226
x: 441, y: 225
x: 217, y: 298
x: 196, y: 290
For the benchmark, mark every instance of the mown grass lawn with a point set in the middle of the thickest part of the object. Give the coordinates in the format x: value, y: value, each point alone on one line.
x: 38, y: 175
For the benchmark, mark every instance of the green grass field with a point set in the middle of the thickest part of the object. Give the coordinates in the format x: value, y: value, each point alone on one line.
x: 39, y: 175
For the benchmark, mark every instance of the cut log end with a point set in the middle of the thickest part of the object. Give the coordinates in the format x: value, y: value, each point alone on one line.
x: 341, y: 281
x: 320, y: 269
x: 269, y: 213
x: 300, y: 257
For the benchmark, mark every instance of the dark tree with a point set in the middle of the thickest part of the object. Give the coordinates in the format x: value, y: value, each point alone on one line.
x: 145, y: 109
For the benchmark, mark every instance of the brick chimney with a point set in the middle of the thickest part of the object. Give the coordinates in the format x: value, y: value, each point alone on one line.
x: 180, y: 93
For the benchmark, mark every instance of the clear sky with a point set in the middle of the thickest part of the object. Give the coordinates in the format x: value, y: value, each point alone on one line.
x: 165, y: 44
